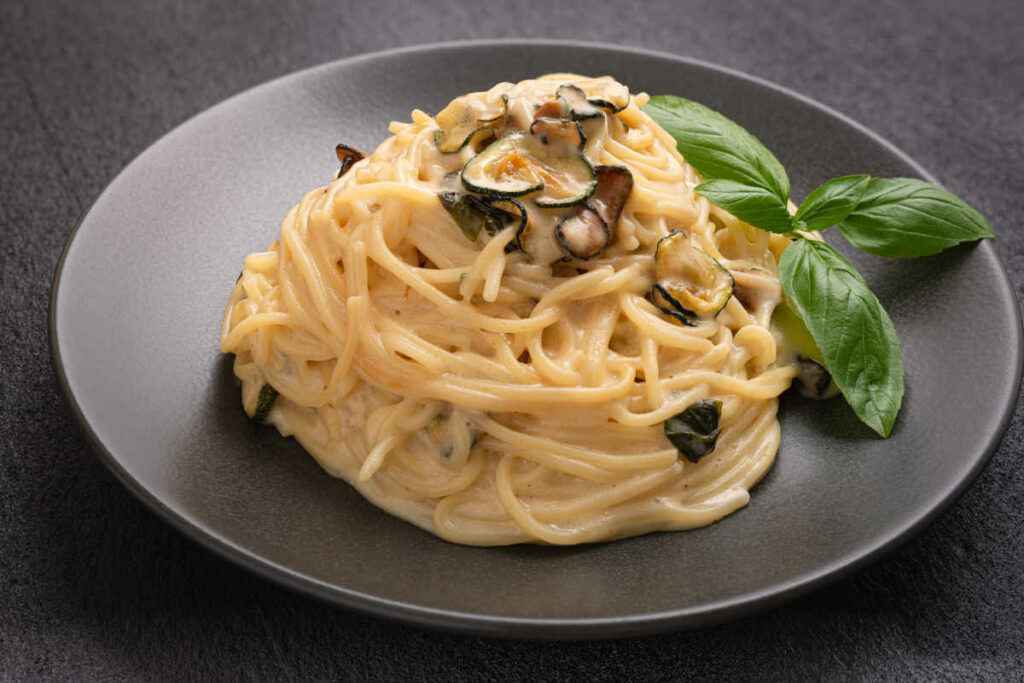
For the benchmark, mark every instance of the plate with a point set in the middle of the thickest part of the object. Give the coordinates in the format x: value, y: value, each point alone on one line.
x: 136, y: 308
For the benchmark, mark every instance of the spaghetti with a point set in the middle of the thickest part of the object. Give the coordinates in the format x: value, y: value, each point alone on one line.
x: 492, y: 393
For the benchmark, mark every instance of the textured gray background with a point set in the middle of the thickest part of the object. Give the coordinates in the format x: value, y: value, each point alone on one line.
x: 94, y: 587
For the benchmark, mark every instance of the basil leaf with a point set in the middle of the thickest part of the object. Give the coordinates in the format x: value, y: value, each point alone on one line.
x: 906, y: 217
x: 754, y: 205
x: 717, y: 147
x: 465, y: 212
x: 695, y: 431
x: 264, y: 402
x: 830, y: 202
x: 856, y: 337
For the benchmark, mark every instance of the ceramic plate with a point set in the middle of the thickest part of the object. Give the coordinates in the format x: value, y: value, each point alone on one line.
x: 136, y: 310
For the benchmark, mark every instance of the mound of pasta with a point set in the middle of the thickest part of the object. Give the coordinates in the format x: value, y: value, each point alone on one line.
x: 516, y: 322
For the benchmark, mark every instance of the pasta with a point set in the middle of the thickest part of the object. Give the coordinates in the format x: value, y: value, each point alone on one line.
x: 509, y: 387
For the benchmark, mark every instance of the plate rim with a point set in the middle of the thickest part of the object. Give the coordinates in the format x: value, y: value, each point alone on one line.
x: 705, y: 614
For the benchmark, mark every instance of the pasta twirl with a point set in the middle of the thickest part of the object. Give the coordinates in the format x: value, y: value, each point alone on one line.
x: 492, y: 395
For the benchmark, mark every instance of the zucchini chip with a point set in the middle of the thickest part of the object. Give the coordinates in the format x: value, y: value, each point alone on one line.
x: 587, y: 232
x: 508, y: 211
x: 584, y: 234
x: 614, y: 184
x: 581, y: 107
x: 519, y: 164
x: 689, y: 284
x: 814, y: 381
x: 615, y: 100
x: 461, y: 124
x: 576, y: 102
x: 568, y: 135
x: 573, y: 181
x: 348, y: 156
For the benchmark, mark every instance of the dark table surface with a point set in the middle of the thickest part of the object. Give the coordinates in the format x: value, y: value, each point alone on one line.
x: 95, y: 587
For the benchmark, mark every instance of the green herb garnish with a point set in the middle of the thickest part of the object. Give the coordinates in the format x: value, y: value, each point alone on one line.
x: 906, y: 217
x: 857, y: 340
x: 264, y: 402
x: 830, y: 202
x: 695, y: 430
x: 893, y: 217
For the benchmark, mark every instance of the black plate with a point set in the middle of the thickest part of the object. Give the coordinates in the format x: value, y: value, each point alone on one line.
x: 136, y: 308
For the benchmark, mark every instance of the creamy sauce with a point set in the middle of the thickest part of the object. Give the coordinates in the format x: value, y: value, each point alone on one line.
x: 493, y: 396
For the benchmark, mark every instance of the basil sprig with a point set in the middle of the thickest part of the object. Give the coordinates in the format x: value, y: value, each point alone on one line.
x: 893, y: 217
